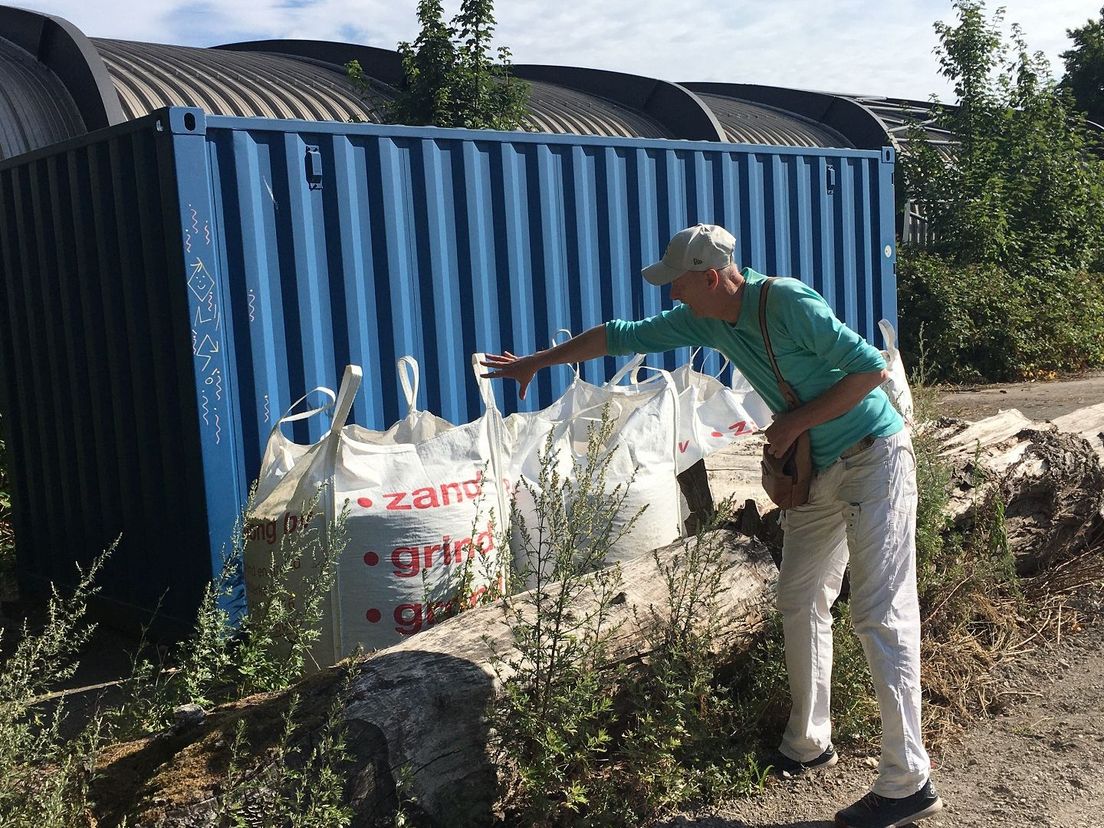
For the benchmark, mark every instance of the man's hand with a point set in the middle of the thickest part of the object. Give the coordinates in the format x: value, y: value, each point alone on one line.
x: 835, y: 402
x: 588, y: 345
x: 782, y: 433
x: 508, y: 366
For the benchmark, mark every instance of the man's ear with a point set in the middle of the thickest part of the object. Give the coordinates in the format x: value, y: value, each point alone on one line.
x: 712, y: 278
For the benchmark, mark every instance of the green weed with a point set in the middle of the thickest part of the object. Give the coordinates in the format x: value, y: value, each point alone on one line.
x: 555, y: 714
x: 268, y: 650
x: 43, y: 777
x: 299, y: 783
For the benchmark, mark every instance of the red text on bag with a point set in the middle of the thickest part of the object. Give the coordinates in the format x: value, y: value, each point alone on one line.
x: 409, y: 561
x: 415, y: 617
x: 433, y: 497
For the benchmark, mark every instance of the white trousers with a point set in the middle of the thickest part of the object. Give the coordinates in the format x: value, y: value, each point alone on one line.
x: 865, y: 505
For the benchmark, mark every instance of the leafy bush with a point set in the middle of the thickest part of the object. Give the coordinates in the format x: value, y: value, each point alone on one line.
x: 449, y: 76
x: 297, y: 785
x: 556, y: 714
x: 1020, y: 185
x: 44, y: 777
x: 594, y: 743
x: 268, y: 650
x: 1085, y: 68
x: 688, y: 737
x: 1015, y: 206
x: 980, y: 322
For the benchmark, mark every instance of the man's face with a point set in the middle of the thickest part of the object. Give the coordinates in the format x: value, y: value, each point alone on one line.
x: 693, y: 288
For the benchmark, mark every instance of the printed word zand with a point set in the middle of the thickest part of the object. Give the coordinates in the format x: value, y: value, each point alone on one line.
x: 433, y: 497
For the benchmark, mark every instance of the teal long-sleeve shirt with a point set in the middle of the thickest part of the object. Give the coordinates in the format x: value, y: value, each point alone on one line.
x: 813, y: 348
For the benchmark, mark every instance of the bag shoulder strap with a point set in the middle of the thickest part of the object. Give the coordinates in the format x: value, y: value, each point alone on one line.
x: 787, y: 392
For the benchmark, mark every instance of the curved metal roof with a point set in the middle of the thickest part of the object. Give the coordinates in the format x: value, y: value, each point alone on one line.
x: 897, y: 114
x: 36, y: 109
x: 148, y: 76
x: 227, y: 81
x: 56, y: 82
x: 554, y: 106
x: 560, y: 109
x: 751, y: 123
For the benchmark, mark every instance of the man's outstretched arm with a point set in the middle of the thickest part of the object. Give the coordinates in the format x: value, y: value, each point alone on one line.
x: 588, y: 345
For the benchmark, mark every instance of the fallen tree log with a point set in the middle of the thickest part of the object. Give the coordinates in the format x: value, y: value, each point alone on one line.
x: 1048, y: 478
x: 415, y: 711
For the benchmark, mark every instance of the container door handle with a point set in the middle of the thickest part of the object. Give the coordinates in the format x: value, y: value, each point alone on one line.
x: 313, y: 165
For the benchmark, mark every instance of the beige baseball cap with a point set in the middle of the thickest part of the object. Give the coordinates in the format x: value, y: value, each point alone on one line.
x: 700, y: 247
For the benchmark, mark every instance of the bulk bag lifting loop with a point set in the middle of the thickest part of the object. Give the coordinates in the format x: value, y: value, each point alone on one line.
x: 896, y: 387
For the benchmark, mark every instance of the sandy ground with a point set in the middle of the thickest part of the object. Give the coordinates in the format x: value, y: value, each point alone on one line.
x: 1035, y: 400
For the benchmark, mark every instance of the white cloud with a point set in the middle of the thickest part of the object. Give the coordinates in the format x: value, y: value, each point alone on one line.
x: 840, y: 45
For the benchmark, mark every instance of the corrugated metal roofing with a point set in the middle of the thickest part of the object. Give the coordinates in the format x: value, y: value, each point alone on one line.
x: 35, y: 107
x: 149, y: 76
x: 750, y: 123
x: 559, y: 109
x: 897, y: 115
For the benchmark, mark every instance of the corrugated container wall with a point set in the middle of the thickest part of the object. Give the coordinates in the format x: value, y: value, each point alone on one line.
x: 174, y: 283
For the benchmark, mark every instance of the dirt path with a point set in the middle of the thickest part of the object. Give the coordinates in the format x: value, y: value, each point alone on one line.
x: 1035, y: 400
x: 1041, y: 763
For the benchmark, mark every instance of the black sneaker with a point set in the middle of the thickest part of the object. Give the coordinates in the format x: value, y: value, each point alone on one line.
x: 787, y: 768
x: 874, y: 811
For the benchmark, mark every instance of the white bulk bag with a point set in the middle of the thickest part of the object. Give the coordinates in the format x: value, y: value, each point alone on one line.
x: 896, y: 386
x: 424, y: 500
x: 641, y: 449
x: 287, y: 484
x: 711, y: 415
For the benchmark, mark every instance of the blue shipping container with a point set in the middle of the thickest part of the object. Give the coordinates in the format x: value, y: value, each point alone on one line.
x: 172, y: 284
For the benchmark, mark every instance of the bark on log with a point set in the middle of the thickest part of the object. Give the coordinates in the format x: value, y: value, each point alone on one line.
x: 694, y: 483
x: 1050, y: 481
x: 416, y: 709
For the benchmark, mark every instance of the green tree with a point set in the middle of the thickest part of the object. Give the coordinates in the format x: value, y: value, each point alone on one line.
x: 1021, y: 188
x: 450, y: 76
x: 1016, y: 209
x: 1085, y: 68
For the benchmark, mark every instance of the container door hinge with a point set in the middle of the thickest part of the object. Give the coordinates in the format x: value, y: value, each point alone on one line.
x: 313, y: 166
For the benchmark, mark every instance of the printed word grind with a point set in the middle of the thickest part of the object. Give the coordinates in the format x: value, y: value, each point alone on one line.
x: 410, y: 561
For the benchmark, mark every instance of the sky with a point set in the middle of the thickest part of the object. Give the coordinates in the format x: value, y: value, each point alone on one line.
x: 844, y: 46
